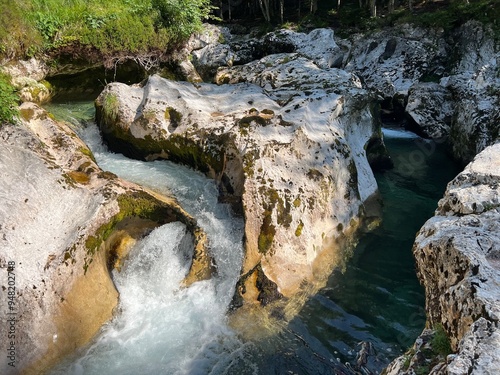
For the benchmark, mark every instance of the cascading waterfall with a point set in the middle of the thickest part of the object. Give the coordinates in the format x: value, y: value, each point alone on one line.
x: 162, y: 328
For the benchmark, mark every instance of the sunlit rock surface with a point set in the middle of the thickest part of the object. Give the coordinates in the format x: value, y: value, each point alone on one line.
x: 63, y: 224
x: 293, y: 158
x: 458, y: 262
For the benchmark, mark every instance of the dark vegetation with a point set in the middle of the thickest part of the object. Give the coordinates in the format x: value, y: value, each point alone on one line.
x: 148, y: 31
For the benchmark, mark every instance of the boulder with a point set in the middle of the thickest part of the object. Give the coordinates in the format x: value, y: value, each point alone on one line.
x: 64, y: 223
x: 292, y: 158
x: 28, y: 78
x: 430, y: 110
x: 227, y: 50
x: 208, y: 59
x: 475, y: 85
x: 391, y: 61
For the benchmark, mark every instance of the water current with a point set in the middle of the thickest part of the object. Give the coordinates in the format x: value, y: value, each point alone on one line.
x: 164, y: 329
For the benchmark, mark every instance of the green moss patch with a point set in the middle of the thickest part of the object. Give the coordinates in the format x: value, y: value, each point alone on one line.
x: 137, y: 204
x: 298, y: 231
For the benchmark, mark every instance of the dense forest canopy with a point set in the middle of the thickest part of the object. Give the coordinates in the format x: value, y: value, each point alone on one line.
x: 150, y: 29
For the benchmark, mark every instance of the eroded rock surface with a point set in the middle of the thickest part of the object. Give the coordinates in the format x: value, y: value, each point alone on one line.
x: 430, y: 109
x: 457, y: 253
x: 391, y: 61
x: 63, y: 224
x: 475, y: 85
x: 293, y: 156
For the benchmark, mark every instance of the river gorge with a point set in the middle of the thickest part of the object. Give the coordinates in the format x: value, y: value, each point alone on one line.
x: 301, y: 207
x: 376, y: 299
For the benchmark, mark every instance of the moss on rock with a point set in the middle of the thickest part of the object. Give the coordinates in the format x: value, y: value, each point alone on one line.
x: 136, y: 204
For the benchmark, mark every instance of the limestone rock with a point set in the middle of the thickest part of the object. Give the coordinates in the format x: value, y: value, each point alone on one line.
x: 63, y: 222
x: 33, y: 69
x: 479, y: 350
x: 208, y: 59
x: 318, y: 46
x: 457, y: 253
x: 391, y: 61
x: 475, y: 84
x: 430, y: 109
x: 28, y: 78
x: 293, y: 158
x: 210, y: 35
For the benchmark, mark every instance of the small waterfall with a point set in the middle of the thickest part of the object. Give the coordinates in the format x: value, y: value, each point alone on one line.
x: 161, y: 328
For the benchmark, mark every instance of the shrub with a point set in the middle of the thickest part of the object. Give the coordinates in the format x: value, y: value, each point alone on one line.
x: 8, y: 99
x: 441, y: 342
x: 181, y: 17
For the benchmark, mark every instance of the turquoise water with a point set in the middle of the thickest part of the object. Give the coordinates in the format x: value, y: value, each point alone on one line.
x: 377, y: 298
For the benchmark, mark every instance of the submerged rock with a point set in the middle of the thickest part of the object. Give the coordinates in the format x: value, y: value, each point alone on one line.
x: 292, y: 158
x: 457, y: 253
x: 64, y: 223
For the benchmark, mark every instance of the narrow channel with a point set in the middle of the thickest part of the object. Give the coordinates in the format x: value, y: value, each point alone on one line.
x: 163, y: 329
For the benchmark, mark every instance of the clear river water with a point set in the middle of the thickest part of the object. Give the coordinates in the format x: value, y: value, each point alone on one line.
x: 164, y: 329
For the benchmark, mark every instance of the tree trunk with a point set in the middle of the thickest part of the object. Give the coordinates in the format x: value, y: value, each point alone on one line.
x: 391, y: 6
x: 282, y: 10
x: 221, y: 12
x: 410, y: 5
x: 264, y: 6
x: 373, y: 8
x: 313, y: 6
x: 229, y: 9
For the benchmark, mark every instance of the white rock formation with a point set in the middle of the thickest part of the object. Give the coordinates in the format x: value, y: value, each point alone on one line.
x: 430, y: 109
x: 62, y: 220
x: 475, y: 84
x: 391, y: 61
x: 458, y: 262
x: 293, y: 154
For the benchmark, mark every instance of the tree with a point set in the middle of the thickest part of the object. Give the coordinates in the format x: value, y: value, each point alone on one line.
x: 264, y: 6
x: 373, y: 8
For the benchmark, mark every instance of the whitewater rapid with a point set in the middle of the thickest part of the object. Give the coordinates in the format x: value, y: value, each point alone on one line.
x: 161, y: 328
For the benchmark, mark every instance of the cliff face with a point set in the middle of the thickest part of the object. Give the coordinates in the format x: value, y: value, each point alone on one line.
x: 64, y: 224
x: 457, y: 253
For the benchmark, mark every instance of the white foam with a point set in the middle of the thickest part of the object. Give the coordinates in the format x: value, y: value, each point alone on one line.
x: 163, y: 328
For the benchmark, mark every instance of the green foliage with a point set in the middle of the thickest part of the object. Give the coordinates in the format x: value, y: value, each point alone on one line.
x: 454, y: 14
x: 441, y: 342
x: 181, y: 17
x: 18, y: 36
x: 48, y: 25
x: 132, y: 26
x: 8, y: 99
x: 111, y: 106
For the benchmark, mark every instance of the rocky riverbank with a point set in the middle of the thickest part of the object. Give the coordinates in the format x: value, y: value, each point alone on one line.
x: 64, y: 224
x: 457, y: 253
